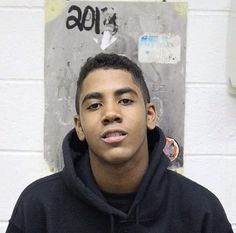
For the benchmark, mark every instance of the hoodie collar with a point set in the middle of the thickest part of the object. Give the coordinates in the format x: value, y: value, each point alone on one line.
x: 78, y: 177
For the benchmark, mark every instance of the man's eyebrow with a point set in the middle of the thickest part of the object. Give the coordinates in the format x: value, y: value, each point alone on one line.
x: 92, y: 95
x: 125, y: 90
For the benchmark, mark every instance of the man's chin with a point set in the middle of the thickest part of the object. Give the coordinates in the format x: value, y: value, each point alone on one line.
x: 115, y: 158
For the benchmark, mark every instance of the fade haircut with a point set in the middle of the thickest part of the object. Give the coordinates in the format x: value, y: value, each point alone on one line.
x: 111, y: 61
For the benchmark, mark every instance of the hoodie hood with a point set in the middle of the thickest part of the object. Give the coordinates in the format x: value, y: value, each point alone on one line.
x: 79, y: 179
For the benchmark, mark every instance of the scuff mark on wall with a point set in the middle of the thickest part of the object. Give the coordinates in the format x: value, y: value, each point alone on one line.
x: 53, y: 8
x: 181, y: 8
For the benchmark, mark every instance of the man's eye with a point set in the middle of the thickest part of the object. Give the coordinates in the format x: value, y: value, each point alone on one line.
x: 94, y: 106
x: 126, y: 101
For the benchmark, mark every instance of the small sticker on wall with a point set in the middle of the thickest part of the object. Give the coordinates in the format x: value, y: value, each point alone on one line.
x: 163, y: 49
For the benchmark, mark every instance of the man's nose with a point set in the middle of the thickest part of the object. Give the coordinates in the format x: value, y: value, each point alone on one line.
x: 111, y: 114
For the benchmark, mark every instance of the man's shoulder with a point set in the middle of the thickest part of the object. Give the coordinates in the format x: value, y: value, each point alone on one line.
x: 189, y: 191
x: 42, y: 187
x: 44, y: 181
x: 196, y: 202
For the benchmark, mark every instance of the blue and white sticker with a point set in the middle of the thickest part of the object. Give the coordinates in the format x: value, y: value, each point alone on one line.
x: 163, y: 49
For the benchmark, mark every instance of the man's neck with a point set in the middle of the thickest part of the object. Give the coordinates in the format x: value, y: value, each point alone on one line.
x: 119, y: 178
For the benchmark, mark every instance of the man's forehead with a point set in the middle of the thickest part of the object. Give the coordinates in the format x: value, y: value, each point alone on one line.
x: 108, y: 79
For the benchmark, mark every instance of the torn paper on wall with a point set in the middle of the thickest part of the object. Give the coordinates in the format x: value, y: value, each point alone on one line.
x: 163, y: 49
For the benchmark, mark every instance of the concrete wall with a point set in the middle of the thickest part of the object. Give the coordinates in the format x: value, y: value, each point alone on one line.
x: 210, y: 120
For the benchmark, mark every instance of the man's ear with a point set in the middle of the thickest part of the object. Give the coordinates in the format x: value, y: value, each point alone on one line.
x: 78, y: 128
x: 151, y: 116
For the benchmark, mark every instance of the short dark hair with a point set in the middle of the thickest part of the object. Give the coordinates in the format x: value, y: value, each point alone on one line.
x: 111, y: 61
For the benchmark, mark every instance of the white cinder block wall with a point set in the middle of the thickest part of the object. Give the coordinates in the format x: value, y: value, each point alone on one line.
x: 210, y: 119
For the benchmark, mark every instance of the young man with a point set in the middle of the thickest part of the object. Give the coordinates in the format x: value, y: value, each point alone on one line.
x: 115, y: 178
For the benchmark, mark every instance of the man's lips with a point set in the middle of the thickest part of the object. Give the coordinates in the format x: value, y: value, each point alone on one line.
x: 114, y: 135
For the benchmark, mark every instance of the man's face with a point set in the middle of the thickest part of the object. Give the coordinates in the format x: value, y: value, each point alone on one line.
x: 113, y: 116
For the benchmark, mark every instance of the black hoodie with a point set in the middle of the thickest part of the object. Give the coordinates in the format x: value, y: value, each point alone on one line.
x: 71, y: 202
